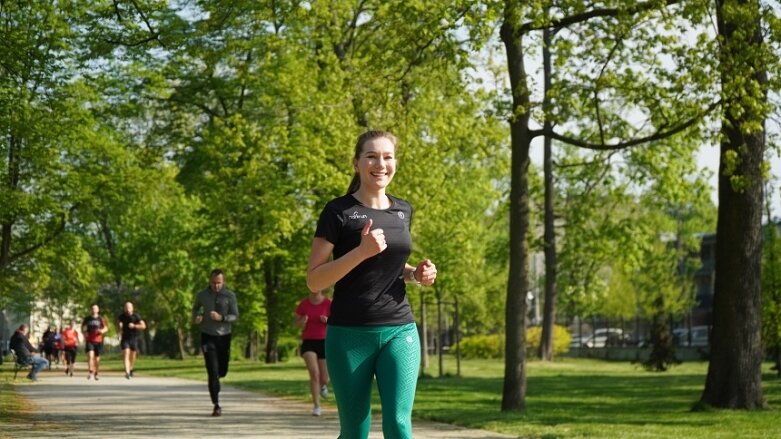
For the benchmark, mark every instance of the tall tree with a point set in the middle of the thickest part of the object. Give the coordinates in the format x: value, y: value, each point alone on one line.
x: 595, y: 99
x: 54, y: 153
x: 549, y: 233
x: 734, y: 372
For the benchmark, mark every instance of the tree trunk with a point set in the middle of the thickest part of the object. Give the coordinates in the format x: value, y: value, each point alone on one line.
x: 252, y: 345
x: 6, y: 233
x: 514, y: 390
x: 662, y: 352
x: 734, y: 373
x: 180, y: 337
x: 272, y: 313
x: 549, y: 306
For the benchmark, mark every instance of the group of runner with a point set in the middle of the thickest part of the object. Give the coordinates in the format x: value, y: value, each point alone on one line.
x: 95, y: 327
x: 61, y: 346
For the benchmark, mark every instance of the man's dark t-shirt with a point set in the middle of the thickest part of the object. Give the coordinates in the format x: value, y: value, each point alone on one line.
x: 127, y: 332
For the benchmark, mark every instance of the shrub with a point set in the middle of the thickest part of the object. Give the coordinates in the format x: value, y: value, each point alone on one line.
x: 165, y: 343
x: 287, y: 347
x: 482, y: 346
x: 561, y: 340
x: 492, y: 346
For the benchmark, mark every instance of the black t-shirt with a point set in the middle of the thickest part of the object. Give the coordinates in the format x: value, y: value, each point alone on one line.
x: 373, y: 293
x: 125, y: 318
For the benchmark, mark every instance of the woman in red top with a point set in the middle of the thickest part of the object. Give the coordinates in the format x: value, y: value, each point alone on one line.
x: 313, y: 313
x: 70, y: 339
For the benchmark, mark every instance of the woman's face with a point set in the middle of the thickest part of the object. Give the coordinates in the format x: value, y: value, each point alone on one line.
x: 377, y: 163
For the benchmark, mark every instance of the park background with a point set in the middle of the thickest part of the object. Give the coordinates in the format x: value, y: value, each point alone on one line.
x: 146, y: 142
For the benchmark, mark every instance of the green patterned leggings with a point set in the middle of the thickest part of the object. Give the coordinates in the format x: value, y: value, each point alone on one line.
x: 355, y: 355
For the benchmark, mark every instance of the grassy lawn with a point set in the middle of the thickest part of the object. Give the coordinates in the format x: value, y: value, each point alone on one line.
x: 569, y: 398
x: 12, y: 408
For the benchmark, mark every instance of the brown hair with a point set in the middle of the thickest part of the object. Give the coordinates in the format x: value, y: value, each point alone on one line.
x: 355, y: 183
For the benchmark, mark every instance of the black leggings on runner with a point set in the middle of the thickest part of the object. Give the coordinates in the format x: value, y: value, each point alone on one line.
x: 216, y: 353
x: 70, y: 355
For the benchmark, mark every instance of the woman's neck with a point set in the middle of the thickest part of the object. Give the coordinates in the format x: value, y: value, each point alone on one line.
x: 316, y: 299
x: 373, y: 199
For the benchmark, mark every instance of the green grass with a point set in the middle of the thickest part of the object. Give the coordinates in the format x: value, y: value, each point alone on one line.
x: 569, y: 398
x: 12, y: 407
x: 578, y: 398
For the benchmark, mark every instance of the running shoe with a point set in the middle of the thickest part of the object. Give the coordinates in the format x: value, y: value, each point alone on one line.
x: 127, y: 375
x: 217, y: 411
x: 324, y: 391
x: 90, y: 376
x: 316, y: 411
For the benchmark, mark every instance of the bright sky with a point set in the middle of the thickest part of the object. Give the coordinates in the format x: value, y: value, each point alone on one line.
x: 708, y: 158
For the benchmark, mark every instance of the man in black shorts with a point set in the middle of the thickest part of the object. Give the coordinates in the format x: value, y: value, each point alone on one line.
x: 215, y: 311
x: 130, y: 324
x: 93, y: 327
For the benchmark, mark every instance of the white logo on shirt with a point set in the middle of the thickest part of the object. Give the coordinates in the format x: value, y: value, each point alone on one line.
x: 356, y: 215
x: 401, y: 215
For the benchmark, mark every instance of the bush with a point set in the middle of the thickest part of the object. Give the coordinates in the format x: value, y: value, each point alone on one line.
x: 165, y: 343
x: 482, y: 346
x: 287, y: 347
x: 492, y: 346
x: 561, y: 340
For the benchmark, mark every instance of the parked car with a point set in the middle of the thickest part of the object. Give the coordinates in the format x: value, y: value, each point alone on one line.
x: 700, y: 336
x: 577, y: 341
x: 604, y: 337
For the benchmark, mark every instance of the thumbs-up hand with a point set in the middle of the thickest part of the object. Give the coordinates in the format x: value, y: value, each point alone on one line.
x: 372, y: 241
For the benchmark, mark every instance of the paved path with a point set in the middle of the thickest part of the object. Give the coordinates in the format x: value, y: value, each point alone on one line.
x: 151, y: 407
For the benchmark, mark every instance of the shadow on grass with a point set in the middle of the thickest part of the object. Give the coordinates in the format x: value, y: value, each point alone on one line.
x: 659, y: 399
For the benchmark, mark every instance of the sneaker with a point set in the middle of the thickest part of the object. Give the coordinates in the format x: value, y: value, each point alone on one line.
x: 90, y: 376
x: 70, y: 373
x: 316, y: 411
x: 127, y: 375
x: 132, y: 373
x: 324, y: 391
x: 32, y: 378
x: 217, y: 411
x: 96, y: 377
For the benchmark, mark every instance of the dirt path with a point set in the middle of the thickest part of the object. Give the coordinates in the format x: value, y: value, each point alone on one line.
x: 151, y: 407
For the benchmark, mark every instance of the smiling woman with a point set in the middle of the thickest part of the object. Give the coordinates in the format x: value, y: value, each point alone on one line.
x: 361, y: 246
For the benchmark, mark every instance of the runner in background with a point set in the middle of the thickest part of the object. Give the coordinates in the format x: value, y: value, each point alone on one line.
x: 215, y: 310
x: 312, y: 313
x: 93, y: 327
x: 58, y: 346
x: 70, y: 341
x: 47, y: 342
x: 130, y: 324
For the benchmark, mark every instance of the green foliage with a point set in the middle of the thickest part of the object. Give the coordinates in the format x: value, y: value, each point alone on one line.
x: 288, y: 347
x: 561, y: 339
x: 771, y: 288
x: 165, y: 343
x: 481, y: 346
